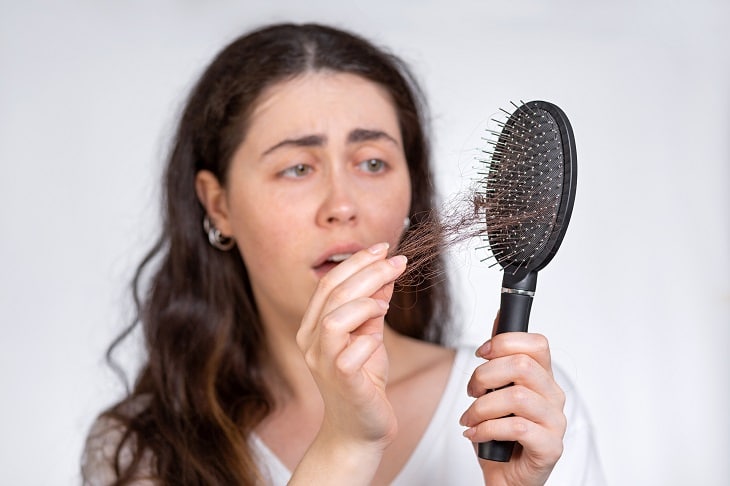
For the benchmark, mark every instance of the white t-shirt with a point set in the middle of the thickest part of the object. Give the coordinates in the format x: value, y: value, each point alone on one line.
x: 444, y: 457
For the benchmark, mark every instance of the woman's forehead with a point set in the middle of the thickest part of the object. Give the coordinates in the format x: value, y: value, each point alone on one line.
x: 325, y: 104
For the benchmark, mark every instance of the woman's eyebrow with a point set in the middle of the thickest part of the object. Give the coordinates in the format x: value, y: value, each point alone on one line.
x: 365, y: 135
x: 355, y: 136
x: 306, y: 141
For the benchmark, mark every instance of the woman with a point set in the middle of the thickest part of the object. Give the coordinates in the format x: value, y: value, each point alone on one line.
x: 280, y: 348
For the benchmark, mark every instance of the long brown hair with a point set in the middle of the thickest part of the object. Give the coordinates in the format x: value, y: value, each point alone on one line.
x: 201, y: 389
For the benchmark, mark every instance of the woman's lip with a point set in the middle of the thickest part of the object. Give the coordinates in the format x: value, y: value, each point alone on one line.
x: 324, y: 268
x: 336, y: 250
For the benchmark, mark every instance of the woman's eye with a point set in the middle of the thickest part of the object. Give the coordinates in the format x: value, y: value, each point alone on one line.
x: 299, y: 170
x: 372, y: 165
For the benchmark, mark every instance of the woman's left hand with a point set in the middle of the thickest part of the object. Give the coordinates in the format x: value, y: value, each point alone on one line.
x: 529, y: 412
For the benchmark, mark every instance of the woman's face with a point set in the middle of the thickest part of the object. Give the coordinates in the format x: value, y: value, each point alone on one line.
x: 320, y: 175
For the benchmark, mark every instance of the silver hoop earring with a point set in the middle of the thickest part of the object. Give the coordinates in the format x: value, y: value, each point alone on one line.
x: 406, y: 223
x: 216, y: 239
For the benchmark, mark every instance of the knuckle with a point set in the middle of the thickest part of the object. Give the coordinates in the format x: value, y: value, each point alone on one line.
x: 343, y: 369
x: 478, y: 410
x: 541, y: 343
x: 562, y: 424
x: 519, y: 395
x: 480, y: 373
x: 520, y: 427
x: 485, y: 429
x: 560, y: 420
x: 329, y: 324
x: 310, y: 358
x: 337, y: 294
x: 522, y: 364
x: 300, y: 340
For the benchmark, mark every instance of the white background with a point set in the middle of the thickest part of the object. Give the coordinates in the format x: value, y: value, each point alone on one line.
x: 636, y: 303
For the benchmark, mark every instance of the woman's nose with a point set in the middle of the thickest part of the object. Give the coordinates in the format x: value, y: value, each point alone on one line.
x: 339, y: 206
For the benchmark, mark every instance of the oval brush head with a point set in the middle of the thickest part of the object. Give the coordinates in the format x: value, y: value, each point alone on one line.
x: 529, y: 189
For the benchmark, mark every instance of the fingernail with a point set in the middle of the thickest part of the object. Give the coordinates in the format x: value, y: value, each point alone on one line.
x: 398, y: 261
x: 462, y: 420
x: 484, y: 349
x: 382, y: 303
x: 469, y: 433
x: 378, y: 248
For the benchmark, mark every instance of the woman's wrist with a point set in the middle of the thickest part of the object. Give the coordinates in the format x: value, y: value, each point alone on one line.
x: 334, y: 459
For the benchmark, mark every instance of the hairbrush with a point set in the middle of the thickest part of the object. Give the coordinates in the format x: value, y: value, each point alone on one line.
x: 527, y: 199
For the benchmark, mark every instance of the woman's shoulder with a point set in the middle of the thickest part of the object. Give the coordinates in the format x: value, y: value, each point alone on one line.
x: 109, y: 448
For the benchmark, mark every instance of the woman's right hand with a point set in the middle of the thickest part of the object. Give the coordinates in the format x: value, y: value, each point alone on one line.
x: 341, y: 337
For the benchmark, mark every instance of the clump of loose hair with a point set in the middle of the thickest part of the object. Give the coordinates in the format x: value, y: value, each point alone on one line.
x: 460, y: 219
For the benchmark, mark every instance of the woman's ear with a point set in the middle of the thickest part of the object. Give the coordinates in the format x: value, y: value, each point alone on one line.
x: 213, y: 198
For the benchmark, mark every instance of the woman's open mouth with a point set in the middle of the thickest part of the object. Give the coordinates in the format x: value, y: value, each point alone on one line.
x: 330, y: 262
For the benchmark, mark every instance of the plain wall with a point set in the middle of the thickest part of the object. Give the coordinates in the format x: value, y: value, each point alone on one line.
x: 636, y: 303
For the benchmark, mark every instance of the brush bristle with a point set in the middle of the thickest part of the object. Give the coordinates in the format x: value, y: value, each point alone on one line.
x: 522, y: 186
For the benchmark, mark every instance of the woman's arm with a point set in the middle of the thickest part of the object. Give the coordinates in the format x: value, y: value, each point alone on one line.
x: 341, y: 337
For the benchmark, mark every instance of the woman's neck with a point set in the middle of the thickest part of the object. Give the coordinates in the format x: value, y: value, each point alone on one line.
x: 286, y: 370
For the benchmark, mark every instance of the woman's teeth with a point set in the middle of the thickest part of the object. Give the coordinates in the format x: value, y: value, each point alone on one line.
x: 339, y: 257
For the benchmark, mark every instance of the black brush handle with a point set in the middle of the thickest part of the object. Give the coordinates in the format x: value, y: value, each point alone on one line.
x: 514, y: 316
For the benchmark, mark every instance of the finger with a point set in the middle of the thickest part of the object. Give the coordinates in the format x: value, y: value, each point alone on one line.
x: 354, y: 263
x: 367, y: 281
x: 520, y: 369
x: 385, y: 292
x: 336, y: 328
x: 351, y: 360
x: 375, y: 278
x: 514, y: 400
x: 334, y: 277
x: 348, y: 267
x: 511, y: 343
x: 537, y: 441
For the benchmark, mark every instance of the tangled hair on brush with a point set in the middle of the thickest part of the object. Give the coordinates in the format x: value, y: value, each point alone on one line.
x: 201, y: 391
x: 458, y: 220
x: 463, y: 217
